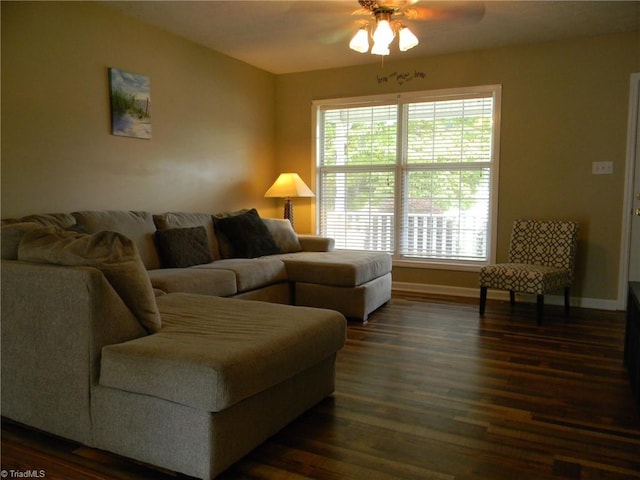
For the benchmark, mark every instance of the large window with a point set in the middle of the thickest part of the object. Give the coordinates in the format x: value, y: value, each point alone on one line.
x: 412, y: 174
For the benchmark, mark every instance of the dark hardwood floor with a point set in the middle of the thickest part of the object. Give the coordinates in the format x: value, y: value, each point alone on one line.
x: 428, y: 390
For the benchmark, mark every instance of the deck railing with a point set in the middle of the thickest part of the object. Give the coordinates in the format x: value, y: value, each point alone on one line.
x: 432, y: 236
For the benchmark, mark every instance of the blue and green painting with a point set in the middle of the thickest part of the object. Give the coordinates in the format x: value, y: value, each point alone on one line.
x: 130, y: 104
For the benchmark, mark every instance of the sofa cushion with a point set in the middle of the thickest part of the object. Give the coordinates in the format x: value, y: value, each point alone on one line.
x: 250, y: 273
x: 221, y: 283
x: 316, y: 243
x: 138, y: 226
x: 283, y: 234
x: 214, y: 352
x: 112, y: 253
x: 247, y: 234
x: 340, y: 268
x: 183, y: 247
x: 168, y: 220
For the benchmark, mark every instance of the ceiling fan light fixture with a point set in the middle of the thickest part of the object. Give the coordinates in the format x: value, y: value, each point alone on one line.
x: 406, y: 39
x: 387, y: 25
x: 360, y: 41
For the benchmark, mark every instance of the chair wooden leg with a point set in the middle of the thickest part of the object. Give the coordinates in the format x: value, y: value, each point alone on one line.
x: 539, y: 308
x: 512, y: 297
x: 483, y: 299
x: 567, y: 301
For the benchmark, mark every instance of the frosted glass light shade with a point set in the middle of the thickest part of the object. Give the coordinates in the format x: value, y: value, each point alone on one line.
x: 383, y: 33
x: 360, y: 41
x: 407, y: 39
x: 380, y: 49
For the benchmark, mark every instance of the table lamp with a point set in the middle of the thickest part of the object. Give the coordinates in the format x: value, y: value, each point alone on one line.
x: 288, y: 186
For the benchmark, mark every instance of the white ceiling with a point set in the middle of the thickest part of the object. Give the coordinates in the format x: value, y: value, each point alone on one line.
x: 294, y: 36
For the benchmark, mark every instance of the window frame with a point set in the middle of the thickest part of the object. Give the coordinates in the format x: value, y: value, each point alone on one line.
x: 401, y: 100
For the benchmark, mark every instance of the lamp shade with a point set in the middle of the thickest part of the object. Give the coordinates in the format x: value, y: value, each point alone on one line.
x: 289, y: 185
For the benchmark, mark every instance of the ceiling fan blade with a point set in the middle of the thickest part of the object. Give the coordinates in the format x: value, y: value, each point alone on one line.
x: 361, y: 11
x: 467, y: 11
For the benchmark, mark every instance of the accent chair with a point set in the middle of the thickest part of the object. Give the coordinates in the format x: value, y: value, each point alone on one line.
x: 541, y: 260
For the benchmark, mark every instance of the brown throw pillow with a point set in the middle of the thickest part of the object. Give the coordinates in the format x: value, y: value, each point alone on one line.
x: 247, y: 235
x: 112, y: 253
x: 183, y: 247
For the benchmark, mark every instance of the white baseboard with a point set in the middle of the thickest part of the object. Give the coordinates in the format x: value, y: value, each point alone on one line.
x: 595, y: 303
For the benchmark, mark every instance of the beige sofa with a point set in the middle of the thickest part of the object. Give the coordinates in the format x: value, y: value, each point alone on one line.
x: 102, y: 346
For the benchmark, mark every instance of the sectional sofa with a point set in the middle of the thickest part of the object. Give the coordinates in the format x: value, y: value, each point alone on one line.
x: 182, y: 340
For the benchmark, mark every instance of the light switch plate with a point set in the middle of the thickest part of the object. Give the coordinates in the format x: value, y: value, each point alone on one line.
x: 602, y: 168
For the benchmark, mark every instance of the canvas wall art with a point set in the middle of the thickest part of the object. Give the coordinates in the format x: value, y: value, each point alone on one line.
x: 130, y: 104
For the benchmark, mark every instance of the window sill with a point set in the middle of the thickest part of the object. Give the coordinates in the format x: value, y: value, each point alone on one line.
x: 433, y: 265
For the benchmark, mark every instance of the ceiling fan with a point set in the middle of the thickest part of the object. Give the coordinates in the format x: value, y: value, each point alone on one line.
x: 386, y: 21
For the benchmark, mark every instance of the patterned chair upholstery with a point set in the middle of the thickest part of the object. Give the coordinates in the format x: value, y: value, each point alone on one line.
x: 541, y: 260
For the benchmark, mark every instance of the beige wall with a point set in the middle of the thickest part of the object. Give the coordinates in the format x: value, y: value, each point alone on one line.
x: 223, y: 130
x: 564, y: 106
x: 213, y: 117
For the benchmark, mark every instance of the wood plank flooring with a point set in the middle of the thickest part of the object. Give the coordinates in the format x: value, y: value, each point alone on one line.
x: 428, y: 390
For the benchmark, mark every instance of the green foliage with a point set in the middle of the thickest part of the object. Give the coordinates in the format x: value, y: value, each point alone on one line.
x: 123, y: 102
x: 440, y: 156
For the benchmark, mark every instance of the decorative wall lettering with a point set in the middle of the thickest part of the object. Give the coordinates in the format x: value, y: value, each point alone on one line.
x: 401, y: 77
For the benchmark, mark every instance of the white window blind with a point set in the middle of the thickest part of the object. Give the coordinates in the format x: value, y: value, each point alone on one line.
x: 411, y: 175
